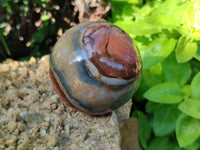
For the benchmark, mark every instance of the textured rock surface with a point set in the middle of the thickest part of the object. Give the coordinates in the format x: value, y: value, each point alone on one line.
x: 33, y: 117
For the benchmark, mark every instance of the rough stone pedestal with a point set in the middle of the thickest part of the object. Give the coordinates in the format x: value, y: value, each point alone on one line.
x: 33, y: 117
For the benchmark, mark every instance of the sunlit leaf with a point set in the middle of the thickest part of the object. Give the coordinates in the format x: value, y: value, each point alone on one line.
x: 163, y: 21
x: 191, y: 107
x: 137, y: 28
x: 45, y: 17
x: 157, y: 51
x: 167, y: 93
x: 195, y: 86
x: 127, y: 12
x: 187, y: 130
x: 136, y: 2
x: 185, y: 50
x: 191, y: 26
x: 186, y: 90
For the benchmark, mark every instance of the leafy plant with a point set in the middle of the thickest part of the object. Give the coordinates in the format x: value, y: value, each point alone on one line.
x: 30, y: 27
x: 167, y: 33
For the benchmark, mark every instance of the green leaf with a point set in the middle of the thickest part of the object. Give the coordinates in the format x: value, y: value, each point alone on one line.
x: 187, y: 130
x: 164, y: 119
x: 191, y: 107
x: 186, y: 90
x: 191, y: 26
x: 167, y: 7
x: 117, y: 9
x: 194, y: 146
x: 45, y: 17
x: 144, y: 40
x: 127, y: 12
x: 153, y: 75
x: 3, y: 25
x: 179, y: 10
x: 197, y: 55
x: 164, y: 21
x: 144, y: 129
x: 144, y: 11
x: 157, y: 51
x: 195, y: 86
x: 176, y: 72
x: 151, y: 107
x: 185, y: 50
x: 40, y: 35
x: 137, y: 27
x: 167, y: 93
x: 162, y: 143
x: 2, y: 2
x: 135, y: 2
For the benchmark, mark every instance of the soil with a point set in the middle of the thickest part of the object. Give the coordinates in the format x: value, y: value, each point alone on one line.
x: 32, y: 117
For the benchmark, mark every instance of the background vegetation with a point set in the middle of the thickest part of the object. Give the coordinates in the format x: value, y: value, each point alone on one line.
x: 167, y: 33
x: 31, y: 27
x: 167, y: 102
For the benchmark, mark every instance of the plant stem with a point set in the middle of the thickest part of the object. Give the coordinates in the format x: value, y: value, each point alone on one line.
x: 4, y: 43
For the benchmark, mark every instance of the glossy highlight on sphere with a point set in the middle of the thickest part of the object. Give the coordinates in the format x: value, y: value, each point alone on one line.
x: 95, y: 67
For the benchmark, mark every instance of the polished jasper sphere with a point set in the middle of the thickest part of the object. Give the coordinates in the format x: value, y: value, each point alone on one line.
x: 95, y: 67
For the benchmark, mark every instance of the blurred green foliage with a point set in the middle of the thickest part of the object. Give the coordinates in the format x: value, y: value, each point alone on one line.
x: 167, y: 103
x: 30, y: 27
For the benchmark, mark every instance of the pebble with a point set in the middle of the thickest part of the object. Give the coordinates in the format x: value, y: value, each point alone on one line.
x: 43, y: 132
x: 12, y: 126
x: 4, y: 68
x: 12, y: 140
x: 32, y: 60
x: 74, y: 147
x: 21, y: 127
x: 1, y: 141
x: 1, y: 105
x: 23, y: 146
x: 49, y: 119
x: 14, y: 115
x: 45, y: 125
x: 24, y: 143
x: 54, y: 106
x: 52, y: 139
x: 60, y: 110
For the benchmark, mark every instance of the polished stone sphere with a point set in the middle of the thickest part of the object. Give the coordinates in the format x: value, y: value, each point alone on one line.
x: 95, y: 67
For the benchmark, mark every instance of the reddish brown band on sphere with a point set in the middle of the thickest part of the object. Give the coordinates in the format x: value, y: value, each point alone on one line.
x: 111, y: 50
